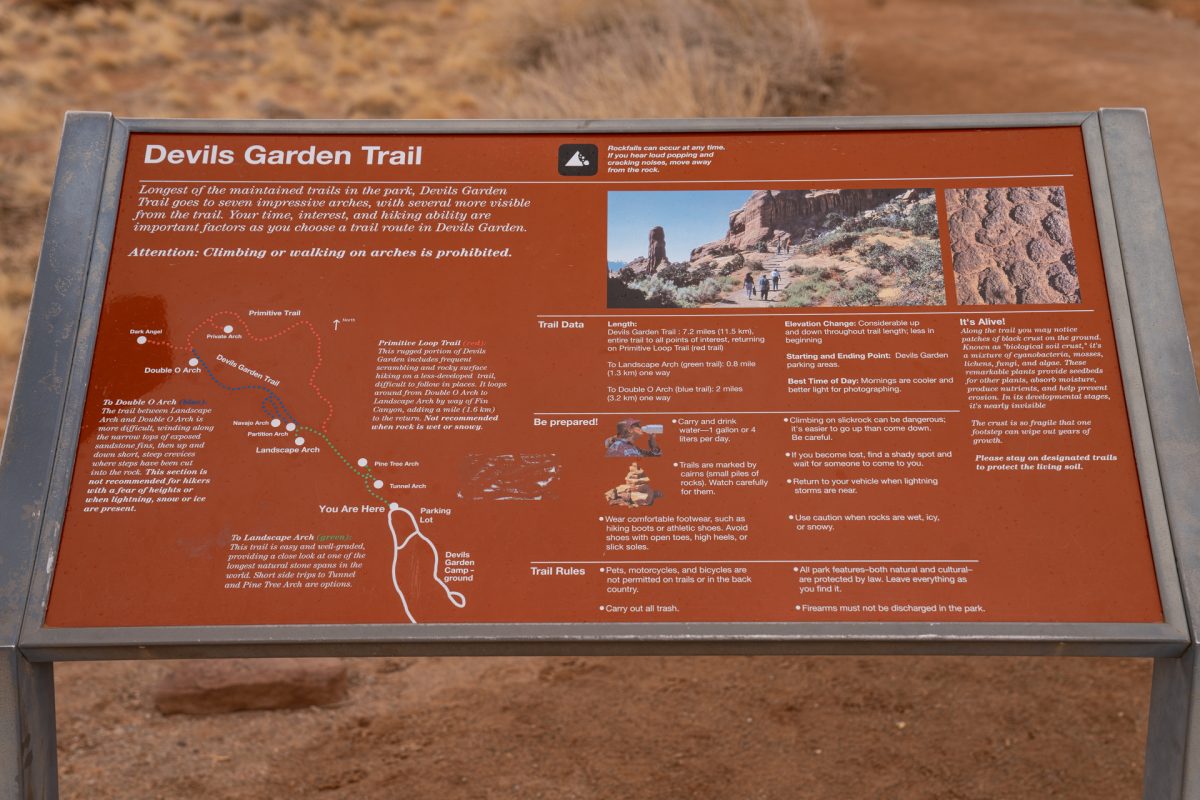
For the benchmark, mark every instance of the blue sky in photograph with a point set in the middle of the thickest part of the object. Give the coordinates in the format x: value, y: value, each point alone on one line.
x: 689, y: 219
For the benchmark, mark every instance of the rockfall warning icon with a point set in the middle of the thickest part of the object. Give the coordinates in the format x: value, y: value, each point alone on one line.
x: 577, y: 159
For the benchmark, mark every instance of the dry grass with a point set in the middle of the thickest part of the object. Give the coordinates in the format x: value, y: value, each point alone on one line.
x: 1185, y: 9
x: 661, y: 58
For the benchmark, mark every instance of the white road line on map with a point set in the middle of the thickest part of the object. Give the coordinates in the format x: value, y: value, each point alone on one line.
x: 457, y: 599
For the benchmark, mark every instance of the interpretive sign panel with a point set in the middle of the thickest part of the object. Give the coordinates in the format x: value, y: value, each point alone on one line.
x: 846, y: 385
x: 707, y: 376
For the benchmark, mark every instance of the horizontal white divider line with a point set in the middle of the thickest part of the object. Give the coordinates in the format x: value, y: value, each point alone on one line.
x: 678, y: 413
x: 765, y: 312
x: 789, y: 561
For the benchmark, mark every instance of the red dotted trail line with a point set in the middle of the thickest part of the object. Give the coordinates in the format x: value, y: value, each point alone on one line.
x: 245, y: 328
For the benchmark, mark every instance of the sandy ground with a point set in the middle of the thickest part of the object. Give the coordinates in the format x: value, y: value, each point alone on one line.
x: 651, y: 727
x: 727, y: 727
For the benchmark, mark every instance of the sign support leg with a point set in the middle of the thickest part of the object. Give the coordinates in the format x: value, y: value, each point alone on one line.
x: 1172, y: 769
x: 28, y: 757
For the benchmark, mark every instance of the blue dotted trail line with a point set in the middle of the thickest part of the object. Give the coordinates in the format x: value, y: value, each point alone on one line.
x: 274, y: 398
x: 273, y: 406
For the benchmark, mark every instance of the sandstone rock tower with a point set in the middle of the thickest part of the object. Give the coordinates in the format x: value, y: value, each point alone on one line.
x: 656, y: 254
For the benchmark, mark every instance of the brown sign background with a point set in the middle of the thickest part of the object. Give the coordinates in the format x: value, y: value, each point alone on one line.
x: 1065, y: 548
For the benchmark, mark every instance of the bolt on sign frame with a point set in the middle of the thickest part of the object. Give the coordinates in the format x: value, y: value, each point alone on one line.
x: 56, y: 365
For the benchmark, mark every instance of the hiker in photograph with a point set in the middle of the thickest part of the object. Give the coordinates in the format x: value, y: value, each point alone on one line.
x: 749, y: 284
x: 624, y: 443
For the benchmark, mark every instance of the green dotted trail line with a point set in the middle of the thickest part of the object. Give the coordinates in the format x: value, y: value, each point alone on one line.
x: 366, y: 476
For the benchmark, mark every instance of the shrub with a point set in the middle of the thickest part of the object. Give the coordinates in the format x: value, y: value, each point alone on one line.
x: 800, y: 296
x: 835, y: 241
x: 841, y: 242
x: 663, y: 293
x: 855, y: 293
x: 687, y: 297
x: 621, y: 295
x: 733, y: 265
x: 879, y: 255
x: 810, y: 291
x: 681, y: 274
x: 890, y: 216
x: 677, y: 58
x: 702, y: 273
x: 923, y: 281
x: 860, y: 222
x: 864, y: 295
x: 658, y: 293
x: 709, y: 291
x: 921, y: 258
x: 922, y: 220
x: 834, y: 219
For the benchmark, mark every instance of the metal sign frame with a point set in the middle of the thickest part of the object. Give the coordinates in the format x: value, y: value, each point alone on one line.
x: 1163, y: 408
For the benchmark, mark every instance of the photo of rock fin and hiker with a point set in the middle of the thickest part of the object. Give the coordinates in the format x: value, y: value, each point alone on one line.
x: 774, y: 248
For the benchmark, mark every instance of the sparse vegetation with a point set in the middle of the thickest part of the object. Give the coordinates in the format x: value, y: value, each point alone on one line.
x: 709, y: 291
x: 836, y: 240
x: 733, y: 265
x: 684, y: 274
x: 658, y: 291
x: 812, y: 291
x: 897, y: 244
x: 841, y: 243
x: 918, y: 218
x: 856, y: 292
x: 923, y: 267
x: 879, y: 256
x: 922, y: 221
x: 674, y: 58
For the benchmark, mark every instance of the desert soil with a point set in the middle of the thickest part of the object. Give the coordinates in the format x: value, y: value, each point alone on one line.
x: 727, y: 727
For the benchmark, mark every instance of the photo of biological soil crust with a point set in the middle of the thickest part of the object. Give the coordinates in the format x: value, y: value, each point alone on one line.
x: 1012, y: 246
x: 774, y: 248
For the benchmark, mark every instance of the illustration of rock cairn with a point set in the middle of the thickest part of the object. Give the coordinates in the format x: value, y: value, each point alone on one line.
x: 656, y: 254
x: 635, y: 491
